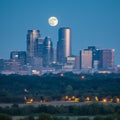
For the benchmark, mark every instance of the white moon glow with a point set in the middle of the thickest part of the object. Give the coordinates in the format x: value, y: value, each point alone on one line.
x: 53, y: 21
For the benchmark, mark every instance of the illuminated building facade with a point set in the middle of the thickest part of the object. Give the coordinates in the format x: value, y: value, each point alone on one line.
x: 32, y: 43
x: 63, y: 44
x: 95, y: 56
x: 85, y: 59
x: 106, y: 59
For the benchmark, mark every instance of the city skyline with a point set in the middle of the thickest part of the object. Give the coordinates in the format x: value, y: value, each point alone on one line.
x: 92, y: 23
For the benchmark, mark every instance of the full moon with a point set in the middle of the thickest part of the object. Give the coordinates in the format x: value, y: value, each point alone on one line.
x: 53, y: 21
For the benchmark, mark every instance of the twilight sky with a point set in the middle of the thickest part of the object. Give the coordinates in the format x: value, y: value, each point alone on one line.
x: 92, y: 22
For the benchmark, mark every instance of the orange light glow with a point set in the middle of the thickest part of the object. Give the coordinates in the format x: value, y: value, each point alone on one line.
x: 76, y: 99
x: 73, y: 97
x: 29, y: 101
x: 117, y: 100
x: 66, y: 97
x: 87, y: 99
x: 69, y: 99
x: 104, y: 100
x: 96, y: 98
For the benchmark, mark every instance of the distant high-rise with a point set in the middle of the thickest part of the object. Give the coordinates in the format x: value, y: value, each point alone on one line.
x: 95, y: 55
x: 18, y: 56
x: 32, y: 43
x: 63, y: 44
x: 85, y: 59
x: 106, y: 59
x: 47, y: 52
x: 40, y: 47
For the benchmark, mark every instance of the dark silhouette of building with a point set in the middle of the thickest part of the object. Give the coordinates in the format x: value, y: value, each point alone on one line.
x: 40, y: 47
x: 47, y: 52
x: 18, y: 56
x: 106, y: 59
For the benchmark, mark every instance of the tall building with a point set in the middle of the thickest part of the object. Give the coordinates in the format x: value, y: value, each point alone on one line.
x: 70, y: 64
x: 63, y: 44
x: 85, y: 59
x: 77, y: 62
x: 54, y: 55
x: 40, y: 47
x: 106, y: 59
x: 18, y: 56
x: 32, y: 43
x: 47, y: 52
x: 95, y: 56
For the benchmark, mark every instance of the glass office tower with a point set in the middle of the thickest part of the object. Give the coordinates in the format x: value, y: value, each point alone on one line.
x: 47, y: 52
x: 32, y: 42
x: 63, y: 44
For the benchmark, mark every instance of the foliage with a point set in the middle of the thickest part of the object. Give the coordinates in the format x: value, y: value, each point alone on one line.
x: 83, y: 110
x: 44, y: 116
x: 98, y: 118
x: 5, y: 117
x: 56, y: 87
x: 85, y: 118
x: 49, y: 87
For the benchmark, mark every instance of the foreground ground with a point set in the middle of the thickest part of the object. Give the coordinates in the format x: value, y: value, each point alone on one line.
x: 70, y: 117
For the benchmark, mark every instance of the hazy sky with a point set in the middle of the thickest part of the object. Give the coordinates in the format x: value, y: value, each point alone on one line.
x: 92, y: 22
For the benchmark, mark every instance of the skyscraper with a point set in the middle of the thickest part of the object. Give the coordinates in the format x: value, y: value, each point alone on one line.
x: 95, y: 56
x: 63, y: 44
x: 85, y: 59
x: 47, y: 52
x: 32, y: 42
x: 106, y: 59
x: 40, y: 47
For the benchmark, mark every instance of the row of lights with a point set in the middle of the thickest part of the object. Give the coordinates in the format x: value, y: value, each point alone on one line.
x: 88, y: 99
x: 82, y: 77
x: 75, y: 99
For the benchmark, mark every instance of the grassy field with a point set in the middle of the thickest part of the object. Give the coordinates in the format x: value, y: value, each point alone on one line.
x: 18, y: 117
x: 70, y: 117
x: 56, y: 103
x: 76, y: 117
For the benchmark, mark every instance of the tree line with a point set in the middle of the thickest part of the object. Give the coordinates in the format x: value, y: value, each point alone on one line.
x: 49, y: 87
x: 45, y: 116
x: 82, y: 110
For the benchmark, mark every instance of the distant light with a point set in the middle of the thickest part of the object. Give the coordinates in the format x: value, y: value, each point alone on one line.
x: 96, y: 98
x: 113, y: 50
x: 83, y: 77
x: 35, y: 72
x: 25, y: 90
x: 66, y: 97
x: 61, y: 74
x: 16, y: 56
x: 104, y: 100
x: 87, y: 99
x: 117, y: 100
x: 73, y: 97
